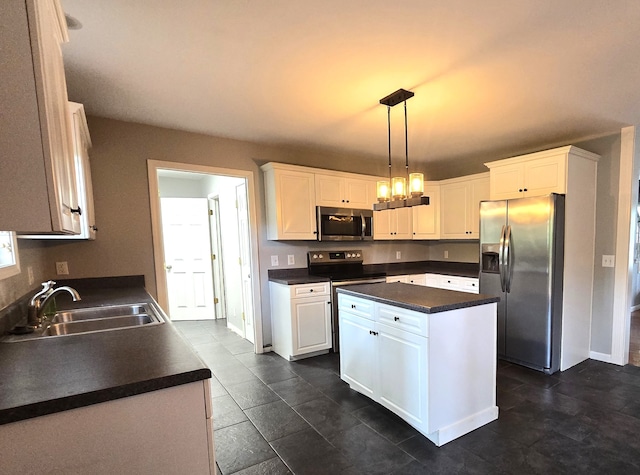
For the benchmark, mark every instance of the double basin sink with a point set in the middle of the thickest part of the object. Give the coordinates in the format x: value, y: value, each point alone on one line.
x: 93, y: 319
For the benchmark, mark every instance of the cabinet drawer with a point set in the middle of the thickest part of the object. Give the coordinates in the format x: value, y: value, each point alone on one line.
x: 461, y: 284
x: 309, y: 290
x: 357, y: 306
x: 407, y: 320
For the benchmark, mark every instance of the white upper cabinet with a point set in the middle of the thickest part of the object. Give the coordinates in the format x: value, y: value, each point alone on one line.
x: 535, y: 174
x: 426, y: 218
x: 460, y: 206
x: 344, y: 192
x: 393, y: 223
x: 38, y: 183
x: 82, y: 168
x: 290, y: 202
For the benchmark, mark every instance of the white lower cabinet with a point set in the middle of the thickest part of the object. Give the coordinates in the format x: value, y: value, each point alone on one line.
x: 300, y: 319
x: 436, y: 371
x: 166, y: 431
x: 439, y: 281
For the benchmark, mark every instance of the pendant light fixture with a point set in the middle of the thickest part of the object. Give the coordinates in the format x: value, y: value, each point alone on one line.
x: 393, y: 193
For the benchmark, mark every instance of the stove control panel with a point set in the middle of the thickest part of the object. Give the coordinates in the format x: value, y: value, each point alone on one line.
x: 335, y: 257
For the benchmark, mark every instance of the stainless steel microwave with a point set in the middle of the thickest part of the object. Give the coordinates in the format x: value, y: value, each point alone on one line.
x: 344, y: 224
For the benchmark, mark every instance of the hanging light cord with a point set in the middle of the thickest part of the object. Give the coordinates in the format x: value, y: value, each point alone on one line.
x: 406, y: 142
x: 389, y: 135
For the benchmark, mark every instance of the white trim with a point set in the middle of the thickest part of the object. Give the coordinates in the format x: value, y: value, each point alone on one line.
x: 11, y: 269
x: 605, y: 358
x: 627, y: 195
x: 635, y: 307
x: 156, y: 226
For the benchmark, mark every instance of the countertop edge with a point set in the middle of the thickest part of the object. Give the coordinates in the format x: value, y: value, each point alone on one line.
x: 76, y: 401
x: 472, y: 302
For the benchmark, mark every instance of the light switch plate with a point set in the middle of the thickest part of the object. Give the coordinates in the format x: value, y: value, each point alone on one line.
x: 291, y: 260
x: 608, y: 261
x: 398, y: 255
x: 274, y: 261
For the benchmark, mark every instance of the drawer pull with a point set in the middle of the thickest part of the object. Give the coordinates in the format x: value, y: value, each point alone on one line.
x: 310, y: 290
x: 371, y: 332
x: 395, y: 319
x: 353, y: 306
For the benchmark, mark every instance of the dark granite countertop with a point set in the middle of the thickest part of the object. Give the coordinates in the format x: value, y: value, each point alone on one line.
x: 459, y: 269
x: 416, y: 297
x: 49, y: 375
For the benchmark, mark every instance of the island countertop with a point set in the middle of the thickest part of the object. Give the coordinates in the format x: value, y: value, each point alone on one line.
x: 417, y: 297
x: 49, y: 375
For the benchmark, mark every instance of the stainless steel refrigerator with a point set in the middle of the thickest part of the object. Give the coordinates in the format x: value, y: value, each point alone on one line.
x: 521, y: 261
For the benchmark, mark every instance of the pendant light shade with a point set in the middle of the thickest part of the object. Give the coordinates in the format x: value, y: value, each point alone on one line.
x: 394, y: 193
x: 383, y: 191
x: 416, y: 184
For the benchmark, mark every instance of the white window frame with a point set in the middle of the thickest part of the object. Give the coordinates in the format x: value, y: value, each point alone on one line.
x: 8, y: 241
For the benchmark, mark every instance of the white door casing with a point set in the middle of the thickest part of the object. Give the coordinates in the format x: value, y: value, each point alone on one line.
x: 219, y: 296
x: 245, y: 260
x: 187, y: 251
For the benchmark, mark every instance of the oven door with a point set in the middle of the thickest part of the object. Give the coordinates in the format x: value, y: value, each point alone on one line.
x: 341, y: 224
x: 334, y: 304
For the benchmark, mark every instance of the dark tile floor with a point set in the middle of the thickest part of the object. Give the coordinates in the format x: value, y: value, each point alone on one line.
x: 272, y: 416
x: 634, y: 339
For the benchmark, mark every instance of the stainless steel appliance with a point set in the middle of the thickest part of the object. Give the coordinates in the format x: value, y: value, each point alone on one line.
x: 342, y: 268
x: 521, y: 260
x: 343, y: 224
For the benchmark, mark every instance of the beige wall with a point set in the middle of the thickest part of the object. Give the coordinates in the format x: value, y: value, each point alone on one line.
x: 124, y: 243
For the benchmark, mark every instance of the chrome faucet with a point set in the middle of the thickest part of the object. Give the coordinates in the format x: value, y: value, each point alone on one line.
x: 38, y: 302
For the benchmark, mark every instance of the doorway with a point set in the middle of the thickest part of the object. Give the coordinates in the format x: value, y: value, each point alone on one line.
x: 203, y: 268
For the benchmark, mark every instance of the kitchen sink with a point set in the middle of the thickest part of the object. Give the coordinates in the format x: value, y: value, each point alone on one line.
x: 100, y: 312
x: 96, y: 325
x: 91, y: 320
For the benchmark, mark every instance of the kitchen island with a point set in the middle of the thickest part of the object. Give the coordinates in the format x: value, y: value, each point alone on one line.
x: 428, y: 355
x: 132, y: 400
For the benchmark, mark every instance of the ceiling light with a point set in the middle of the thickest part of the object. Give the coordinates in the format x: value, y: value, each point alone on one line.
x: 393, y: 193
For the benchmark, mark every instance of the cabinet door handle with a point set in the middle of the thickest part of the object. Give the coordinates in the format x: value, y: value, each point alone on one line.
x: 353, y: 306
x: 371, y: 332
x: 310, y: 290
x: 395, y: 319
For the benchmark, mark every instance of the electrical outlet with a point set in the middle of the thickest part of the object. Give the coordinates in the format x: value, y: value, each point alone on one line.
x: 62, y: 268
x: 291, y: 260
x: 608, y: 261
x: 274, y: 261
x: 398, y: 255
x: 30, y: 275
x: 446, y: 254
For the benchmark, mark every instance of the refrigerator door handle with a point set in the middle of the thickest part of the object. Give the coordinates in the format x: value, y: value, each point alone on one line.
x: 507, y: 259
x: 501, y: 263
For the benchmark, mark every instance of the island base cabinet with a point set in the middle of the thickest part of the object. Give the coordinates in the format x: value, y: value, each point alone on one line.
x: 440, y: 376
x: 355, y: 358
x: 161, y: 432
x: 402, y: 367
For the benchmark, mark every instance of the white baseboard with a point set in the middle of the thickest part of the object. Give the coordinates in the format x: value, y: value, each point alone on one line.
x: 604, y: 357
x: 635, y: 307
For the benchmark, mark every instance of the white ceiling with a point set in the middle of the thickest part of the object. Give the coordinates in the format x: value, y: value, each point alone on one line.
x: 491, y: 78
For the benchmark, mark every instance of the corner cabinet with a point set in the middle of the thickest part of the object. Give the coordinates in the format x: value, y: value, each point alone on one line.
x: 460, y: 206
x: 290, y: 202
x: 300, y: 319
x: 37, y: 191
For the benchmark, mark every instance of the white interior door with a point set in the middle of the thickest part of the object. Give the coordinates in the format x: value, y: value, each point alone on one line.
x: 187, y: 253
x: 245, y: 261
x: 219, y: 297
